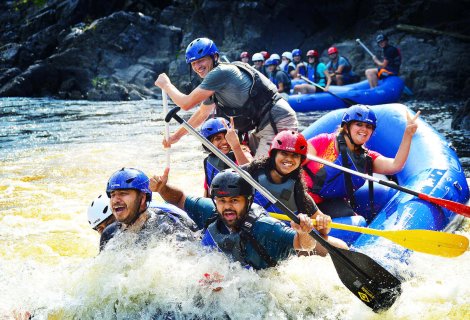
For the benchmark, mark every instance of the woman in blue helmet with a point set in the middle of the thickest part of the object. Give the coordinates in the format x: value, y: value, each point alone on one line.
x: 232, y: 90
x: 333, y: 189
x: 130, y: 196
x: 222, y: 135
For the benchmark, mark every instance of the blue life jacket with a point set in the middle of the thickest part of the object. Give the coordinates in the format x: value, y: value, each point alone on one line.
x: 329, y: 182
x: 217, y: 235
x: 314, y: 76
x: 213, y: 165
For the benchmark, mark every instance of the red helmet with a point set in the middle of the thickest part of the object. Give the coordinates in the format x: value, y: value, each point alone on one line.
x: 332, y: 50
x: 290, y: 141
x: 244, y: 54
x: 312, y: 53
x: 265, y: 54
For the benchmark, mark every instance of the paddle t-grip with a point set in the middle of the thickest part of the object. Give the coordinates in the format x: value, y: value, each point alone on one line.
x: 173, y: 114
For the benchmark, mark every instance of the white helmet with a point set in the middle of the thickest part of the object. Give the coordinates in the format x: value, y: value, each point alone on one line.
x: 257, y: 57
x: 275, y: 56
x: 99, y: 211
x: 288, y: 55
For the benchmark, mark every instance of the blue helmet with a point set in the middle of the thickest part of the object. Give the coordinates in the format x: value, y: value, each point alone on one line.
x: 214, y: 126
x: 296, y: 52
x: 381, y: 37
x: 200, y: 48
x: 129, y: 178
x: 270, y: 62
x: 360, y: 113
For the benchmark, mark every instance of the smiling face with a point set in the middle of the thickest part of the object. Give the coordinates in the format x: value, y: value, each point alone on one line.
x: 202, y: 66
x: 126, y: 204
x: 360, y: 132
x: 220, y: 142
x: 231, y: 209
x: 286, y: 162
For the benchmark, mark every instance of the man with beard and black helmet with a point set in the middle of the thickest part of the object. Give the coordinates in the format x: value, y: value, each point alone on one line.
x: 233, y: 90
x: 130, y: 196
x: 235, y: 227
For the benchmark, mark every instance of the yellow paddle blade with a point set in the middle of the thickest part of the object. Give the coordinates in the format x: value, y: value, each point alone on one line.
x: 437, y: 243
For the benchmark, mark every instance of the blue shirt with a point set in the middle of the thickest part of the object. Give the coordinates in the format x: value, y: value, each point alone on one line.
x: 272, y: 234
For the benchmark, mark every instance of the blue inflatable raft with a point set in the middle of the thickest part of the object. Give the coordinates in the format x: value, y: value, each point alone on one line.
x: 389, y: 90
x: 432, y: 168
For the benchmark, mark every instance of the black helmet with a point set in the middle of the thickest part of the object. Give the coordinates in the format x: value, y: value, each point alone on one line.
x: 229, y: 183
x: 381, y: 37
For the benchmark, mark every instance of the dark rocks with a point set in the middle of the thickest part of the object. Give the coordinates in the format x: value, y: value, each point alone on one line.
x: 86, y: 49
x: 461, y: 119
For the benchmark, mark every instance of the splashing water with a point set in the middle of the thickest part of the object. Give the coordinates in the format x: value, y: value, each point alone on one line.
x: 56, y: 157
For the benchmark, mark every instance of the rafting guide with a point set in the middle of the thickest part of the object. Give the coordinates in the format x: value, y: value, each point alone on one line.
x: 231, y: 90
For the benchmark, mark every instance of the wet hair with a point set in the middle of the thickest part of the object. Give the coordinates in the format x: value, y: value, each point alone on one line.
x: 303, y: 200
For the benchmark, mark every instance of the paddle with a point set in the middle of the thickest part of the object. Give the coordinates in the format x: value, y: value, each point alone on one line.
x: 347, y: 101
x: 437, y: 243
x: 456, y: 207
x: 365, y: 278
x: 405, y: 89
x: 167, y: 126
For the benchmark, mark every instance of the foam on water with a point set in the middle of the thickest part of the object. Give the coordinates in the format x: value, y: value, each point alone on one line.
x: 49, y: 262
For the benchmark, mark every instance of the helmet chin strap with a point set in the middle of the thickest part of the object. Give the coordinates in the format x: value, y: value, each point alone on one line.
x: 348, y: 135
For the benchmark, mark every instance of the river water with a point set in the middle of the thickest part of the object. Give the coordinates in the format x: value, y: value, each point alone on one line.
x: 56, y: 157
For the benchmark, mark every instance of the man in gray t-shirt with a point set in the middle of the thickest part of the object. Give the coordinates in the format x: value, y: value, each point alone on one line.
x: 225, y: 89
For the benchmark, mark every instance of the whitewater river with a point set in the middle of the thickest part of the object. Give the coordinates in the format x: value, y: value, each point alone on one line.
x: 56, y: 157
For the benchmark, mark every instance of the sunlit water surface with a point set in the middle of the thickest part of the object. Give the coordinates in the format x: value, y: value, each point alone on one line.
x: 56, y: 157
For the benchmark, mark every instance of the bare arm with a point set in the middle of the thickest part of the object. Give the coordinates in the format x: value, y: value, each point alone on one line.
x: 242, y: 154
x: 170, y: 194
x: 328, y: 79
x: 386, y: 165
x: 195, y: 121
x: 184, y: 101
x: 302, y: 240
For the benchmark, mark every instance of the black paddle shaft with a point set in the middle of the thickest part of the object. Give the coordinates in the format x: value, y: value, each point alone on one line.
x: 347, y: 102
x: 364, y: 277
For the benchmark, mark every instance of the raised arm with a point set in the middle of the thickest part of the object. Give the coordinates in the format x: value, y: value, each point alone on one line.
x: 386, y: 165
x: 242, y: 155
x: 184, y: 101
x: 170, y: 194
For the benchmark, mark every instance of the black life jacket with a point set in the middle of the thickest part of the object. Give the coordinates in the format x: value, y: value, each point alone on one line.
x: 262, y: 96
x: 234, y: 244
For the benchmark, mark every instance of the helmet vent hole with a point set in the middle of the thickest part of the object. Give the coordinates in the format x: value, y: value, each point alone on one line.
x: 130, y: 180
x: 105, y: 209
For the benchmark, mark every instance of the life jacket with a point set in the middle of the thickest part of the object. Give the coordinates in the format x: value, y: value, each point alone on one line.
x: 393, y: 66
x: 274, y: 80
x: 283, y: 191
x: 302, y: 70
x: 262, y: 96
x: 286, y: 68
x: 347, y: 68
x: 213, y: 165
x: 329, y: 182
x: 217, y: 235
x: 162, y: 221
x: 314, y: 76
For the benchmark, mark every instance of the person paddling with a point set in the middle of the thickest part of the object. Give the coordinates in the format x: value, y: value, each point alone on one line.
x: 232, y: 225
x: 332, y: 189
x: 232, y: 90
x: 390, y: 65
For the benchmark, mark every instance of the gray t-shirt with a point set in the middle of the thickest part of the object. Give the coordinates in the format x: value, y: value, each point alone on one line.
x: 233, y: 85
